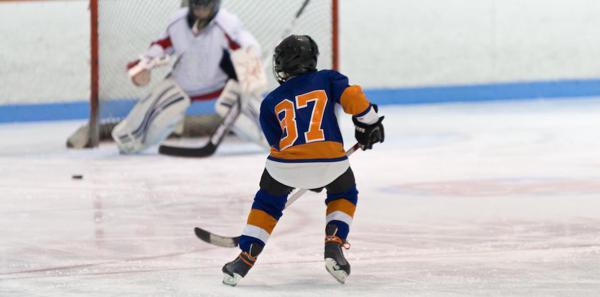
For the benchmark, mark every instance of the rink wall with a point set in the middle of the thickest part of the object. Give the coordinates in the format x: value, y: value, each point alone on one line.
x: 401, y: 52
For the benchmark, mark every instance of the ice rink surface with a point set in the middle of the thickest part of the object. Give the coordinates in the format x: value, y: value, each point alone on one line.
x: 490, y: 199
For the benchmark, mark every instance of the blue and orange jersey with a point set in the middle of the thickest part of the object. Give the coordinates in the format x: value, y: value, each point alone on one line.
x: 298, y: 118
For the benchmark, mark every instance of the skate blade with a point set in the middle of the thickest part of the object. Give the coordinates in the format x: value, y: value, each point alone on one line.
x: 231, y: 280
x: 331, y: 267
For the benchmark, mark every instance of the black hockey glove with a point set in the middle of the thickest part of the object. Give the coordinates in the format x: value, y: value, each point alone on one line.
x: 368, y: 135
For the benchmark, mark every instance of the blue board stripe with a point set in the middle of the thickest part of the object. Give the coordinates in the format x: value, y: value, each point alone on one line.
x: 487, y: 92
x: 44, y: 112
x: 79, y: 110
x: 383, y: 96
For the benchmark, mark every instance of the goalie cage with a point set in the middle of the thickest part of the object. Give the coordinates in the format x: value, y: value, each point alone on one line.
x: 122, y: 29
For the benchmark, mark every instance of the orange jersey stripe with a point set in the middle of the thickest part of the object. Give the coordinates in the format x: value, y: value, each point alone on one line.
x: 342, y: 205
x: 262, y: 220
x: 314, y: 150
x: 354, y: 101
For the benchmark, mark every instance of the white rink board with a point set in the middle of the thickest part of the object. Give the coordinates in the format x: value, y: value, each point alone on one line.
x: 461, y: 200
x: 431, y: 42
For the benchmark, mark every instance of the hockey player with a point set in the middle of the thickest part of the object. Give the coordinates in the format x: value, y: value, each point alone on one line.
x: 307, y: 152
x: 216, y: 58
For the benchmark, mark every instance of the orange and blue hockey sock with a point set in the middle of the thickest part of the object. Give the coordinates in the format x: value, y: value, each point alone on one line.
x: 266, y: 211
x: 340, y: 210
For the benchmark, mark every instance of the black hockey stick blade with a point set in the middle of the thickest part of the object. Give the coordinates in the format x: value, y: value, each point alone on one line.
x: 189, y: 152
x: 214, y: 141
x: 218, y: 240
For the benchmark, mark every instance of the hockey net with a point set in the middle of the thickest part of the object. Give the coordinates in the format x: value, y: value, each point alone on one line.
x: 123, y: 29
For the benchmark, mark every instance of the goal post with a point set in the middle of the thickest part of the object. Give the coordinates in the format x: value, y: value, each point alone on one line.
x: 94, y: 121
x: 123, y: 29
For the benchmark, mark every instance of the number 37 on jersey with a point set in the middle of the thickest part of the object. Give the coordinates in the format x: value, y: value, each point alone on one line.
x: 292, y: 126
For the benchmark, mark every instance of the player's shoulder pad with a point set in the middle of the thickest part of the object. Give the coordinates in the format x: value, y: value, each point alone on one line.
x: 228, y: 21
x: 333, y: 75
x: 330, y: 72
x: 269, y: 97
x: 266, y: 106
x: 275, y: 95
x: 179, y: 16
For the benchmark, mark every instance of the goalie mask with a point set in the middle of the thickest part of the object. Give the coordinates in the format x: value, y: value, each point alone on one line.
x: 203, y: 10
x: 295, y: 55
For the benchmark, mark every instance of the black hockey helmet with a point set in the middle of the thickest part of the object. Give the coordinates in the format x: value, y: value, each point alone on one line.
x: 215, y: 5
x: 295, y: 55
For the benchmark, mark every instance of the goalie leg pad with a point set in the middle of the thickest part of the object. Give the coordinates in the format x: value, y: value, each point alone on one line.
x: 247, y: 125
x: 152, y: 119
x: 231, y: 92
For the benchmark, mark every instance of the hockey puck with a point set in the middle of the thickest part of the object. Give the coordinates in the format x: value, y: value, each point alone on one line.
x: 77, y: 176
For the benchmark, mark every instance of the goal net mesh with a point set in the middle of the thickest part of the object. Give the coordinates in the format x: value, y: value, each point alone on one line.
x: 127, y: 27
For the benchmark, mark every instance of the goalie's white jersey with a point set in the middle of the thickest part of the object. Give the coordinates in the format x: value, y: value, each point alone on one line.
x: 199, y: 70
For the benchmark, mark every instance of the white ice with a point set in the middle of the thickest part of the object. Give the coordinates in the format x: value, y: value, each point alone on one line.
x: 492, y: 199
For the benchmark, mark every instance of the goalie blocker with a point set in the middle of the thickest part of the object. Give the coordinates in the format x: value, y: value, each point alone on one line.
x: 251, y: 82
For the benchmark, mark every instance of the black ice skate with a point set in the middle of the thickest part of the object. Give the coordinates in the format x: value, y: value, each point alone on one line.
x: 235, y: 270
x: 335, y: 262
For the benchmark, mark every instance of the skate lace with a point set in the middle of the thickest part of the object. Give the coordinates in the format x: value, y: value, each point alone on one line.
x: 346, y: 245
x: 247, y: 258
x: 334, y: 239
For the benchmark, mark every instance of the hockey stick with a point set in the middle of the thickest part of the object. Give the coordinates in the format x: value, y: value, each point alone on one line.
x: 231, y: 242
x: 211, y: 147
x: 214, y: 141
x: 288, y: 29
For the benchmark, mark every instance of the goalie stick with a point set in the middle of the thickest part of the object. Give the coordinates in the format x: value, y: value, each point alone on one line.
x: 211, y: 147
x: 233, y: 241
x: 288, y: 30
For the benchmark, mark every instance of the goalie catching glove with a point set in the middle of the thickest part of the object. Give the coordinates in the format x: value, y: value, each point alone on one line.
x: 369, y: 128
x: 139, y: 70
